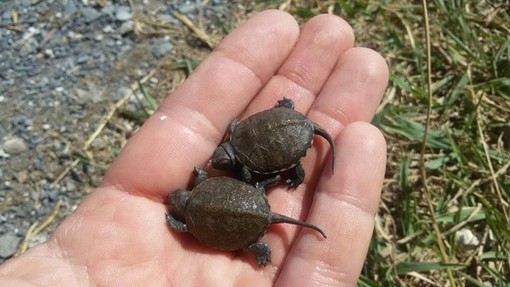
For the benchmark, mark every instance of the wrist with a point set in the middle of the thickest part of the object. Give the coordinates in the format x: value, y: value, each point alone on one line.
x: 42, y: 265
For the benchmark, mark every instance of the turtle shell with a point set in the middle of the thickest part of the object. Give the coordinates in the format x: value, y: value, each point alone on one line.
x: 227, y: 214
x: 272, y: 140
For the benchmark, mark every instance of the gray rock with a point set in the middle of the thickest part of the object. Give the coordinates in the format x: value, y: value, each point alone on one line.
x: 3, y: 131
x: 108, y: 10
x: 22, y: 123
x: 48, y: 53
x: 70, y: 186
x: 161, y: 48
x: 6, y: 15
x: 26, y: 3
x: 90, y: 14
x: 69, y: 7
x: 168, y: 18
x: 108, y: 29
x: 187, y: 8
x: 126, y: 27
x: 53, y: 195
x: 9, y: 244
x: 123, y: 13
x: 82, y: 59
x: 14, y: 146
x: 29, y: 47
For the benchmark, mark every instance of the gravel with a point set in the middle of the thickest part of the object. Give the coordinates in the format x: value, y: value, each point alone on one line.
x: 63, y: 64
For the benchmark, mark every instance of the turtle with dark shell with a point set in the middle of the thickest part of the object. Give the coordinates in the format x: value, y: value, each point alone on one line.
x: 270, y: 142
x: 227, y: 214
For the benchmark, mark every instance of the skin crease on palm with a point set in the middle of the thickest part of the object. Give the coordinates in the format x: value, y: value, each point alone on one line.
x: 118, y: 235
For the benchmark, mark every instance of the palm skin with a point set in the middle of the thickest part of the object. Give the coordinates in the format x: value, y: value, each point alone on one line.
x: 118, y: 236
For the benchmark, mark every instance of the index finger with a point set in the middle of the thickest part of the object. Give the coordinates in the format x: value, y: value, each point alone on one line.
x: 191, y: 122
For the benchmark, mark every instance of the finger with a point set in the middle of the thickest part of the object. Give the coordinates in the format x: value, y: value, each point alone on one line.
x: 190, y: 123
x: 356, y: 66
x: 352, y: 93
x: 322, y: 41
x: 344, y: 207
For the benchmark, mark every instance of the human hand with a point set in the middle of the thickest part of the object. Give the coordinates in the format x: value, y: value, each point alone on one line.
x: 118, y: 236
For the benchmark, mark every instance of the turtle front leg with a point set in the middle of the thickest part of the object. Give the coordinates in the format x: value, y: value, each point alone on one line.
x: 285, y: 103
x: 262, y: 251
x: 296, y: 176
x: 200, y: 175
x: 245, y: 174
x: 232, y: 126
x: 176, y: 224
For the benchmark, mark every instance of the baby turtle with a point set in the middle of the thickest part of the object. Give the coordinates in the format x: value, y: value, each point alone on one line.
x: 269, y: 142
x: 227, y: 214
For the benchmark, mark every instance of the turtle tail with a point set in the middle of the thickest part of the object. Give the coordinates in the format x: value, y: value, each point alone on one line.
x: 318, y: 130
x: 280, y: 218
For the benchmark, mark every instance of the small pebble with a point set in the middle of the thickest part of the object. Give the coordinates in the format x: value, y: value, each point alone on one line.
x: 161, y: 48
x: 90, y: 14
x: 108, y: 29
x: 466, y: 238
x: 123, y: 13
x: 9, y: 244
x: 53, y: 195
x: 126, y: 27
x: 14, y: 146
x: 49, y: 53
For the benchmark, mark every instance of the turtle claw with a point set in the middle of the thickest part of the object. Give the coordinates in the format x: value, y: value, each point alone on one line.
x: 292, y: 183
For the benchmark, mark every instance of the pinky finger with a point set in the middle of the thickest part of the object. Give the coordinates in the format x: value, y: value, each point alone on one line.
x: 344, y: 206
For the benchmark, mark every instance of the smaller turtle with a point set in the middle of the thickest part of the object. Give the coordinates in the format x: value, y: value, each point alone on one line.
x: 269, y: 142
x: 227, y: 214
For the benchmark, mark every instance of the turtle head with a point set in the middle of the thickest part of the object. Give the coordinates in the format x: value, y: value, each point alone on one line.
x: 177, y: 202
x: 223, y: 157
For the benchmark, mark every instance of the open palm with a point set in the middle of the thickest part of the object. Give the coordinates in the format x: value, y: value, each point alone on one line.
x: 118, y: 236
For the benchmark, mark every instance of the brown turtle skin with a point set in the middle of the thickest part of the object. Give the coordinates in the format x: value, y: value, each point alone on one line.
x: 227, y: 214
x: 269, y: 142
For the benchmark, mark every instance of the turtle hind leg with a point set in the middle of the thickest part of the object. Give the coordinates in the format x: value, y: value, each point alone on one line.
x: 262, y: 251
x: 262, y: 185
x: 285, y: 103
x: 296, y: 176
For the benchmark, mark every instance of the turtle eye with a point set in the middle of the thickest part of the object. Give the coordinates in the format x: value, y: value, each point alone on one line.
x: 221, y: 159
